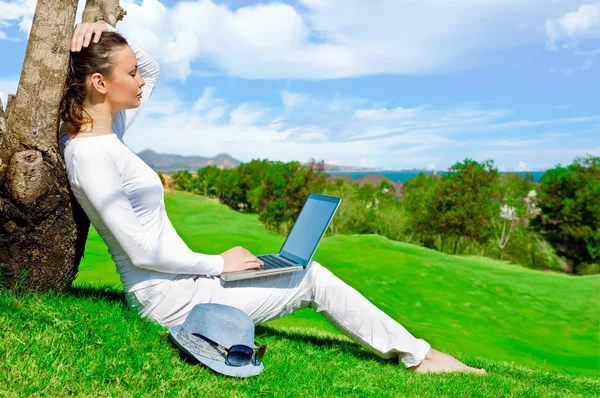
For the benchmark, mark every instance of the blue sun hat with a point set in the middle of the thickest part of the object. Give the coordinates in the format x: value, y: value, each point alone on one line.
x: 222, y: 338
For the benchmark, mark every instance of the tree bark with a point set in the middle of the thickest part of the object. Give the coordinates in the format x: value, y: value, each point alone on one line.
x: 42, y: 227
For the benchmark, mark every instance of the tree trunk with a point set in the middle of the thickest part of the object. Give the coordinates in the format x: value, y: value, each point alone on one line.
x: 42, y: 227
x: 456, y: 244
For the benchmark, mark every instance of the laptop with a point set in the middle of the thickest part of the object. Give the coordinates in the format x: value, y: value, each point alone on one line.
x: 301, y: 243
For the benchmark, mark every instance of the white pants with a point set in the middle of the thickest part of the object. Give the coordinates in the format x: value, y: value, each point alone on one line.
x: 271, y: 297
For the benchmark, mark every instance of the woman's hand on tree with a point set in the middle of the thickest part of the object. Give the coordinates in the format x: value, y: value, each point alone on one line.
x: 239, y: 259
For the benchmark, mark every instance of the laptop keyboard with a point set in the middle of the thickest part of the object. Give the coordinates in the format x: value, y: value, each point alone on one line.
x: 272, y: 262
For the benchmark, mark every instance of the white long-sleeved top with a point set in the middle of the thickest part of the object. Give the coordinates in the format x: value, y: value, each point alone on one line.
x: 124, y: 199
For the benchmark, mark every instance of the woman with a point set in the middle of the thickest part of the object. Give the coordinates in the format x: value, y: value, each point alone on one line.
x: 110, y: 81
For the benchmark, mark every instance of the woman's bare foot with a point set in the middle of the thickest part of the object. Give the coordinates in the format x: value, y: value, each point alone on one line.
x: 437, y: 362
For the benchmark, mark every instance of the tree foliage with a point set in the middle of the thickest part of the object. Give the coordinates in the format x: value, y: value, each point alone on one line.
x: 458, y: 205
x: 182, y: 180
x: 471, y: 209
x: 569, y: 200
x: 284, y: 190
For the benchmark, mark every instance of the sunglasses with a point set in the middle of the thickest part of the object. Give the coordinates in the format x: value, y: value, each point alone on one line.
x: 239, y: 354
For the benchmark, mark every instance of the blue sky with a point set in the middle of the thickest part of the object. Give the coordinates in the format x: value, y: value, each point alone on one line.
x: 378, y: 83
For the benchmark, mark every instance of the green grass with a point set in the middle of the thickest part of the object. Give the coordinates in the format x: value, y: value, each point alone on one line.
x: 536, y: 333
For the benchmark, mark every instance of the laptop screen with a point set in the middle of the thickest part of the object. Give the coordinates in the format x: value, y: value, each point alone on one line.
x: 302, y: 241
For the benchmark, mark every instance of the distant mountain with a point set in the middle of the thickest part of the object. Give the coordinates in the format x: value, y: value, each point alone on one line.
x: 166, y: 163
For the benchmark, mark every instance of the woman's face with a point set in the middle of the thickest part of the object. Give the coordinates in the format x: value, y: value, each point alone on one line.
x: 124, y: 87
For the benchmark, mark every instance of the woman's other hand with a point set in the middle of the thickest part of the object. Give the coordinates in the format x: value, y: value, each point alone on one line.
x: 239, y: 259
x: 82, y: 35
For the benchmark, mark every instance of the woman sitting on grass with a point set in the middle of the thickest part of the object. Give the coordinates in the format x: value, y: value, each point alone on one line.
x: 110, y: 81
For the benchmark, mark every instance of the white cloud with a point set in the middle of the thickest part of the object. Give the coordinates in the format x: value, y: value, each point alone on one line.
x: 522, y: 166
x: 301, y: 102
x: 565, y: 106
x: 294, y: 100
x: 308, y: 134
x: 192, y: 129
x: 8, y: 86
x: 587, y: 53
x: 320, y: 40
x: 385, y: 114
x: 412, y: 150
x: 425, y: 135
x: 587, y: 64
x: 276, y: 40
x: 369, y: 163
x: 515, y: 143
x: 22, y: 12
x: 325, y: 40
x: 564, y: 71
x: 421, y: 124
x: 245, y: 115
x: 436, y: 137
x: 586, y: 18
x: 536, y: 123
x: 575, y: 25
x: 557, y: 135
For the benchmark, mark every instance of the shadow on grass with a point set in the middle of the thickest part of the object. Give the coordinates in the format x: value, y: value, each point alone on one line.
x: 107, y: 293
x: 114, y: 293
x: 334, y: 342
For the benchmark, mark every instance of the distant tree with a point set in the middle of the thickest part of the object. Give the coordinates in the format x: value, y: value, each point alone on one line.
x: 272, y: 200
x: 387, y: 187
x: 458, y: 205
x: 352, y: 216
x: 418, y: 200
x: 510, y: 217
x: 229, y: 188
x: 206, y: 181
x: 515, y: 193
x: 384, y: 194
x: 182, y: 180
x: 468, y: 200
x: 316, y: 166
x: 251, y: 176
x: 300, y: 182
x: 338, y: 181
x: 367, y: 194
x: 528, y: 177
x: 569, y: 200
x: 284, y: 190
x: 161, y: 177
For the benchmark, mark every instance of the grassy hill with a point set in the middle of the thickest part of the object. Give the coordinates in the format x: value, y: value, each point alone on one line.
x: 536, y: 333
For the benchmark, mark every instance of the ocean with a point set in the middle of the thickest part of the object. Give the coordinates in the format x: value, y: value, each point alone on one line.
x: 403, y: 176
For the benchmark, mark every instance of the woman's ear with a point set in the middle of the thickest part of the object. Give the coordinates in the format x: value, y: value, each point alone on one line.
x: 98, y: 83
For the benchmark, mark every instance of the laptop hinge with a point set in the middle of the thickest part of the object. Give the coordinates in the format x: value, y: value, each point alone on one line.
x: 291, y: 261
